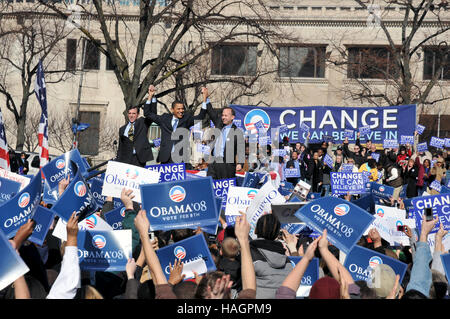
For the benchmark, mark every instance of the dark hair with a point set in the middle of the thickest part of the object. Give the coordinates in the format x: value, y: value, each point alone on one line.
x: 372, y: 163
x: 208, y: 280
x: 134, y: 107
x: 146, y: 290
x: 414, y: 294
x: 365, y: 292
x: 176, y: 102
x: 267, y: 227
x: 233, y: 112
x: 185, y: 290
x: 180, y: 234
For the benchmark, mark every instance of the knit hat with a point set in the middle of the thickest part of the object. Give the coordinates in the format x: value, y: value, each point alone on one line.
x: 325, y: 288
x: 383, y: 280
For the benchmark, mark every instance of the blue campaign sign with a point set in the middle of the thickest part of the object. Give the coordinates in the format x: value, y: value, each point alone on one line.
x: 16, y: 211
x: 344, y: 221
x: 11, y: 265
x: 441, y: 210
x: 49, y: 196
x: 422, y: 147
x: 328, y: 160
x: 157, y: 142
x: 291, y: 172
x: 60, y: 167
x: 366, y: 202
x: 303, y: 127
x: 436, y: 185
x: 348, y: 133
x: 283, y: 129
x: 445, y: 258
x: 311, y: 274
x: 312, y: 196
x: 361, y: 262
x: 285, y: 188
x: 251, y: 180
x: 375, y: 156
x: 169, y: 172
x: 115, y: 217
x: 437, y: 142
x: 96, y: 184
x: 264, y: 140
x: 189, y: 251
x: 44, y: 218
x: 382, y: 191
x: 347, y: 168
x: 364, y: 130
x: 179, y: 204
x: 294, y: 228
x: 343, y: 183
x: 104, y: 250
x: 76, y: 198
x: 407, y: 139
x: 385, y: 122
x: 390, y: 143
x: 420, y: 129
x: 8, y: 189
x: 221, y: 187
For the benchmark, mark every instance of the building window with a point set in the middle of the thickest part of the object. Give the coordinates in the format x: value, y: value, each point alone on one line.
x: 234, y: 60
x: 308, y: 62
x: 371, y: 63
x: 434, y: 62
x: 71, y: 54
x: 88, y: 140
x: 92, y: 57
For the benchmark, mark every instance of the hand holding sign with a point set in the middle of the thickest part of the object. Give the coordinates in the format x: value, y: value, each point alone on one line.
x: 127, y: 198
x: 176, y: 272
x: 23, y: 233
x: 72, y: 230
x: 427, y: 227
x: 142, y: 224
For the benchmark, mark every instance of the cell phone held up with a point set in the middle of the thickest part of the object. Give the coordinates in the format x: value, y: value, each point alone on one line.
x: 401, y: 228
x: 428, y: 214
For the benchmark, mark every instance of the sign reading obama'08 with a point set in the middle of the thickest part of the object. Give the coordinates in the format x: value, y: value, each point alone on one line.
x: 384, y: 122
x: 344, y: 221
x: 180, y: 204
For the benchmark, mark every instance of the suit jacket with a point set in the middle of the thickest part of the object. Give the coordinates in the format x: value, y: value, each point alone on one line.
x: 140, y: 142
x: 165, y: 123
x: 238, y: 137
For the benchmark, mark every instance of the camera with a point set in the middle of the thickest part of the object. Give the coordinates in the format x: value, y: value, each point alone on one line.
x: 401, y: 228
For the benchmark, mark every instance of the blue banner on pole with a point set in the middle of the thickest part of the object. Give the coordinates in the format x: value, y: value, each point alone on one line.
x: 385, y: 122
x: 8, y: 189
x: 104, y: 250
x: 344, y: 221
x: 16, y: 211
x: 192, y: 251
x: 179, y: 204
x: 361, y: 262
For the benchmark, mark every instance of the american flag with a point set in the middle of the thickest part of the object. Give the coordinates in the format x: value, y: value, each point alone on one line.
x: 41, y: 95
x: 4, y: 155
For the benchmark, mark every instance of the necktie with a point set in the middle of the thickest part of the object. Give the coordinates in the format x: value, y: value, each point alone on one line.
x: 131, y: 132
x: 175, y: 124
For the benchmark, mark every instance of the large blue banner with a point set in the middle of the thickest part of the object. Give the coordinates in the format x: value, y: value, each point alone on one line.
x: 441, y: 209
x: 180, y: 204
x: 361, y: 261
x: 104, y: 250
x: 16, y: 212
x: 193, y: 252
x: 8, y: 189
x: 76, y: 198
x: 385, y: 122
x: 344, y: 221
x: 169, y: 172
x: 11, y: 265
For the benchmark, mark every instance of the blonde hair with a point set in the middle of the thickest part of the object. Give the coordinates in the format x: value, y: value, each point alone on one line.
x: 91, y: 293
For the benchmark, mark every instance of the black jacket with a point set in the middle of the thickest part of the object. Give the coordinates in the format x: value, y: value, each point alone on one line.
x: 140, y: 142
x: 165, y: 123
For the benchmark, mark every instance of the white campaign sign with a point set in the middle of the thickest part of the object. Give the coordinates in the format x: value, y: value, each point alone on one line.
x: 119, y: 175
x: 93, y: 222
x: 239, y: 199
x: 24, y: 181
x: 262, y: 204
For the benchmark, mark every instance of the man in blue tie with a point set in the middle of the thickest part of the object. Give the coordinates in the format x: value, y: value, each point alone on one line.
x: 229, y: 147
x: 168, y: 123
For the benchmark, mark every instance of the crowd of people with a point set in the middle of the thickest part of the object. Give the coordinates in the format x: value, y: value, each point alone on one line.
x: 257, y: 268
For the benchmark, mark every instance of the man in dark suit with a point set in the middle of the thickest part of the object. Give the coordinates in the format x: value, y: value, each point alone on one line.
x: 23, y: 164
x: 169, y: 123
x: 134, y: 147
x: 229, y: 147
x: 294, y: 163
